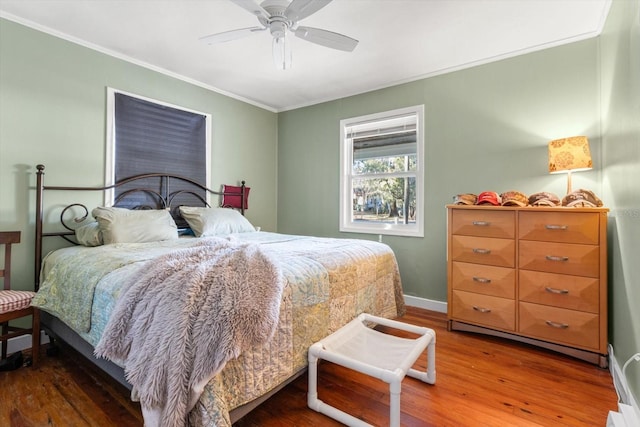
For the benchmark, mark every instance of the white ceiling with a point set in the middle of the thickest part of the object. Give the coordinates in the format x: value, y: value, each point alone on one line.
x: 400, y: 40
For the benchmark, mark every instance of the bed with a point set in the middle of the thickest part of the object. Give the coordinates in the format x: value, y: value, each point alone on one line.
x: 251, y: 302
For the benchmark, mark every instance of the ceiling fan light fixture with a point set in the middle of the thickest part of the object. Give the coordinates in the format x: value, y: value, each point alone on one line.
x: 282, y: 56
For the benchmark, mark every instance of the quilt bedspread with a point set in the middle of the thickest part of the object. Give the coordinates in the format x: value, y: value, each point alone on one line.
x: 328, y: 282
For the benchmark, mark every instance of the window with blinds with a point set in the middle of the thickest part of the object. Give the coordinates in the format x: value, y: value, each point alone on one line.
x: 148, y: 136
x: 381, y: 173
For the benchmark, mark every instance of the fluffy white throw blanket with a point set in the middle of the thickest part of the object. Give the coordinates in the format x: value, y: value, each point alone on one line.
x: 184, y: 316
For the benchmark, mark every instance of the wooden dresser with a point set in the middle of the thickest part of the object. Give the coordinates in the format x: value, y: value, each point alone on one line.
x: 534, y: 274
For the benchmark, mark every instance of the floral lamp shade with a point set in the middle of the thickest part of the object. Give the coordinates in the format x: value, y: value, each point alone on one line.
x: 569, y: 155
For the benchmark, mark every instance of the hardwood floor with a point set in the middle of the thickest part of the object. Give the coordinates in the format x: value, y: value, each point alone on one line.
x: 481, y: 381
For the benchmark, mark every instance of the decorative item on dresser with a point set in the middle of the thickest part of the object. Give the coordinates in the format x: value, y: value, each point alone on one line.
x: 533, y: 274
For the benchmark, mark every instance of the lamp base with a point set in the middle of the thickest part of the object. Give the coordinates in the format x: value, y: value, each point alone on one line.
x: 568, y: 182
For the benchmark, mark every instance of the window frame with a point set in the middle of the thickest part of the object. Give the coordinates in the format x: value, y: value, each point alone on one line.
x: 346, y: 177
x: 110, y: 146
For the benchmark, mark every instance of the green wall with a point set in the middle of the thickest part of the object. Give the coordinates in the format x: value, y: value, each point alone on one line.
x: 53, y: 111
x: 620, y: 87
x: 486, y: 128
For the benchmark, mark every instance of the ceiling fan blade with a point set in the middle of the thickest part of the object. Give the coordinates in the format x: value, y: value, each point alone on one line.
x: 326, y: 38
x: 300, y: 9
x: 253, y: 7
x: 230, y: 35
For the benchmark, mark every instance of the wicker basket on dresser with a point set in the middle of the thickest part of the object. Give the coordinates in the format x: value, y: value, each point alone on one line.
x: 533, y: 274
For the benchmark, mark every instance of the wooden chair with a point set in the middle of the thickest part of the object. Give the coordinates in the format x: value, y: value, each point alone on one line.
x: 15, y: 304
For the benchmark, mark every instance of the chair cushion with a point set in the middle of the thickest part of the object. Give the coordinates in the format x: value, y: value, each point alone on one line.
x: 15, y: 300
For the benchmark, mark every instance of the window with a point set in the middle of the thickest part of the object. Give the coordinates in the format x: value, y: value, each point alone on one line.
x: 146, y: 136
x: 382, y: 173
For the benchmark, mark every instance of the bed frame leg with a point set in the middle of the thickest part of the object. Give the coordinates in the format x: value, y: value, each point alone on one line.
x: 53, y: 349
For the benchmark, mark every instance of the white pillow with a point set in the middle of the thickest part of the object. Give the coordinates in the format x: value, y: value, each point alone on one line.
x: 211, y: 221
x: 120, y: 225
x: 89, y: 234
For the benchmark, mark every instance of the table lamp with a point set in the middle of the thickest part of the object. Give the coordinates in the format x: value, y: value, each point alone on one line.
x: 569, y: 155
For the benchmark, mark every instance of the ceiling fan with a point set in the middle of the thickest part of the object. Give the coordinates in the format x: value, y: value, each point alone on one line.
x: 281, y: 19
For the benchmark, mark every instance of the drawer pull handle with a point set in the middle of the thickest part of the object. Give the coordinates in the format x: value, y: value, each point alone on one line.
x: 481, y: 251
x: 481, y: 223
x: 481, y: 309
x: 557, y: 258
x: 556, y: 324
x: 556, y: 291
x: 481, y: 279
x: 556, y: 227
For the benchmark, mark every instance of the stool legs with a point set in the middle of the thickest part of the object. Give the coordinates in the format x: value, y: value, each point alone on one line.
x: 395, y: 388
x: 312, y: 393
x: 318, y: 405
x: 429, y: 376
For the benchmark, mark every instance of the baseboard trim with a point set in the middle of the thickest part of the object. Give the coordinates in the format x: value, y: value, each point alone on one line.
x: 427, y: 304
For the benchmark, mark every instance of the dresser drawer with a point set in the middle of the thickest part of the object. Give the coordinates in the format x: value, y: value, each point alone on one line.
x: 481, y: 223
x: 570, y: 327
x: 483, y: 250
x: 484, y: 279
x: 565, y: 227
x: 560, y: 290
x: 484, y: 310
x: 572, y: 259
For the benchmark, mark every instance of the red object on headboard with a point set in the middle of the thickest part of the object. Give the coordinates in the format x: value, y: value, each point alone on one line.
x: 234, y: 200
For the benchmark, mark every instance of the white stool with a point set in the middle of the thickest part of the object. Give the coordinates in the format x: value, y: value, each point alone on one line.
x: 383, y: 356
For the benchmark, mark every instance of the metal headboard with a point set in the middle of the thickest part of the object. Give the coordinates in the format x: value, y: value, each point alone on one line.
x: 163, y: 198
